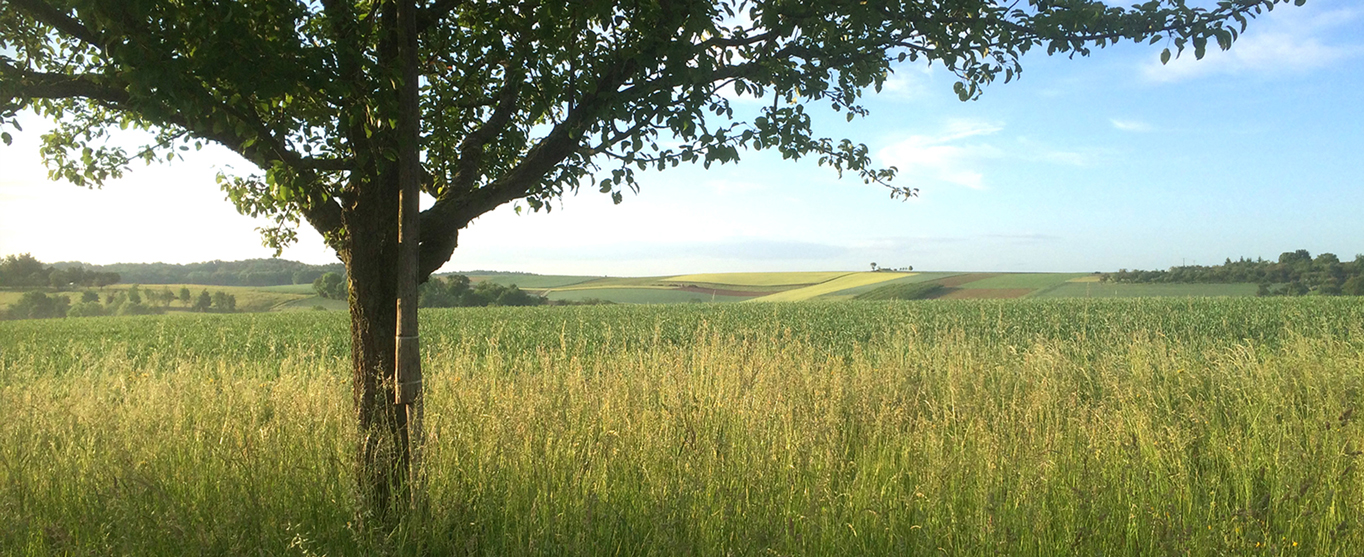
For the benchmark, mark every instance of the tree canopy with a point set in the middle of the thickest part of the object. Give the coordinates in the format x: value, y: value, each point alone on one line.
x: 518, y: 100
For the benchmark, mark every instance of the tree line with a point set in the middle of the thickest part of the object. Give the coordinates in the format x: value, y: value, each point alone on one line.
x: 452, y: 291
x: 248, y: 272
x: 1295, y: 273
x: 25, y: 271
x: 133, y: 301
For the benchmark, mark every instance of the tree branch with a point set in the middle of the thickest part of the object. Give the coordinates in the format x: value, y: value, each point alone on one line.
x: 59, y: 20
x: 43, y: 85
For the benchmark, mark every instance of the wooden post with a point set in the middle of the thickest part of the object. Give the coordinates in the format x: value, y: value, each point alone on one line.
x: 408, y: 375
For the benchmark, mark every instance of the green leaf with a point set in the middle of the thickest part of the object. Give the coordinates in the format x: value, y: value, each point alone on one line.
x: 1165, y: 56
x: 4, y: 136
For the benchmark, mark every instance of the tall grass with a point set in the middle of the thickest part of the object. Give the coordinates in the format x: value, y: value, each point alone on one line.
x: 1203, y: 427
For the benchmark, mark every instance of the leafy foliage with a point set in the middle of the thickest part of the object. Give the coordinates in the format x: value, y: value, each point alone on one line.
x: 1296, y: 272
x: 517, y: 101
x: 24, y: 270
x: 331, y: 286
x: 456, y: 291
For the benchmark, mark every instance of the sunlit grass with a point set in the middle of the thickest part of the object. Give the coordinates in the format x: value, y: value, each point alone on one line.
x: 1226, y: 427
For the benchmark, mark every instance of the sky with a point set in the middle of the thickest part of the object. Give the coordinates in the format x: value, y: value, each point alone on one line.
x: 1086, y: 164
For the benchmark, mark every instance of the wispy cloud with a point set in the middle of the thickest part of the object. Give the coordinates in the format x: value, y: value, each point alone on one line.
x: 1131, y: 125
x: 1286, y: 41
x: 946, y: 156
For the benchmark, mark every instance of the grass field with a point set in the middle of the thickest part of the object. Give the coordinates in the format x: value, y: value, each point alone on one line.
x: 845, y: 282
x: 758, y: 279
x: 1017, y: 427
x: 1024, y: 280
x: 533, y: 281
x: 289, y: 288
x: 640, y: 295
x: 907, y: 278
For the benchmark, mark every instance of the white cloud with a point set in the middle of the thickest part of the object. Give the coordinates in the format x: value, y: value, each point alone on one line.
x: 1131, y: 125
x: 1290, y: 40
x: 946, y: 156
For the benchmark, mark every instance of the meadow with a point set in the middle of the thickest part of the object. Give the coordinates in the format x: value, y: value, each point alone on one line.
x: 976, y: 427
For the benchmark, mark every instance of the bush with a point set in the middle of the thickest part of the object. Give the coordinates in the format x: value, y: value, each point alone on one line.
x: 86, y: 309
x: 1354, y: 286
x: 331, y: 286
x: 37, y: 305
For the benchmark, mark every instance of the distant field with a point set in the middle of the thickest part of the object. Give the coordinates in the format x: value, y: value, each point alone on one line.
x: 759, y: 279
x: 844, y: 282
x: 312, y: 303
x: 640, y: 295
x: 1024, y: 280
x: 1116, y: 290
x: 533, y: 281
x: 288, y: 288
x: 250, y: 299
x: 902, y: 279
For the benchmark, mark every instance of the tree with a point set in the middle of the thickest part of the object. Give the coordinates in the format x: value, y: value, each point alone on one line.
x: 331, y: 286
x: 1354, y: 286
x: 184, y: 296
x: 38, y: 305
x: 347, y: 108
x: 203, y: 302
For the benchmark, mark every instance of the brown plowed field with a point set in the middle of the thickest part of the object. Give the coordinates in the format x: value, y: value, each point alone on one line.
x: 958, y: 280
x: 984, y: 293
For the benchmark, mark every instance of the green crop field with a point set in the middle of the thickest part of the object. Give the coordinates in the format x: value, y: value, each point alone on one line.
x: 1226, y: 426
x: 1023, y: 280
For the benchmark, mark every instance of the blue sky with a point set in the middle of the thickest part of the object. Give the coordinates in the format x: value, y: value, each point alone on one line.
x: 1098, y: 163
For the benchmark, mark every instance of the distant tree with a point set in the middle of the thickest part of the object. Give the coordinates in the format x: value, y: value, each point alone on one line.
x: 1263, y: 290
x: 86, y: 309
x: 134, y: 295
x: 203, y: 302
x: 1354, y: 286
x: 331, y: 286
x: 23, y: 270
x: 38, y: 305
x: 224, y: 302
x: 873, y: 266
x: 185, y: 296
x: 89, y: 296
x: 58, y: 278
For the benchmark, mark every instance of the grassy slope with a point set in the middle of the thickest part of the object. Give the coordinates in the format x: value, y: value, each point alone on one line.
x: 1033, y: 427
x: 623, y: 295
x: 757, y: 279
x: 1023, y: 280
x: 844, y: 282
x: 915, y: 277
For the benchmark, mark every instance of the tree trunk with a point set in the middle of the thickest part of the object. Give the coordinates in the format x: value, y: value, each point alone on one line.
x: 371, y: 258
